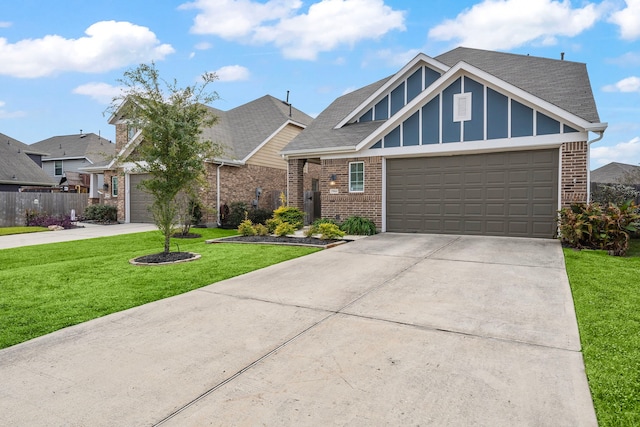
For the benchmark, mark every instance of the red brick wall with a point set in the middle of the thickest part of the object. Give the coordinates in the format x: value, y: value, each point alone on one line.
x: 574, y: 173
x: 344, y: 204
x: 296, y: 183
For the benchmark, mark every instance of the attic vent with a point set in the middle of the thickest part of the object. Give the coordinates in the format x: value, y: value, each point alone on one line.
x: 462, y: 107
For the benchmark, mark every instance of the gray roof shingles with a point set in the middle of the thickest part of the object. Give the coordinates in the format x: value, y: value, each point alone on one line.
x: 85, y: 145
x: 16, y: 167
x: 614, y: 173
x: 562, y: 83
x: 242, y: 129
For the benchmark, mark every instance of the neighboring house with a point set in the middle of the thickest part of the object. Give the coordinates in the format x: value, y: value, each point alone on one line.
x: 20, y: 166
x: 616, y: 173
x: 468, y: 142
x: 70, y: 157
x: 250, y: 170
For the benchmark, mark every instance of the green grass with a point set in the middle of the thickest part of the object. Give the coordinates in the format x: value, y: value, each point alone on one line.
x: 48, y: 287
x: 5, y: 231
x: 606, y: 293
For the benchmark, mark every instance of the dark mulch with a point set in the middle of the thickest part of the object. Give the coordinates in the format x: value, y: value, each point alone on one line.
x: 284, y: 240
x: 162, y: 257
x: 187, y: 236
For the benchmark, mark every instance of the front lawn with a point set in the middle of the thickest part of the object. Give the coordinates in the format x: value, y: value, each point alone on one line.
x: 48, y: 287
x: 606, y: 293
x: 5, y: 231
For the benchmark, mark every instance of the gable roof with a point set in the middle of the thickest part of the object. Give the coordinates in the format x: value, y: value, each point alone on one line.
x: 16, y: 167
x: 78, y: 146
x: 614, y: 173
x: 243, y: 129
x: 561, y: 84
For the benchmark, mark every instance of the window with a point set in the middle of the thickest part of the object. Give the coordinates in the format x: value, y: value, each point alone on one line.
x: 356, y: 177
x: 462, y: 107
x: 114, y: 186
x: 131, y: 132
x: 58, y: 167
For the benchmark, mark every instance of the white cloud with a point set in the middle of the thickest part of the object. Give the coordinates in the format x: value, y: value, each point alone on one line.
x: 109, y: 45
x: 326, y: 25
x: 4, y: 114
x: 505, y: 24
x: 101, y: 92
x: 629, y: 59
x: 203, y: 46
x: 395, y: 58
x: 5, y: 24
x: 628, y: 19
x: 622, y: 152
x: 232, y: 73
x: 628, y: 85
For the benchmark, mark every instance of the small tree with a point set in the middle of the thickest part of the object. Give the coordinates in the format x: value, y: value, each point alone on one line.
x: 172, y: 151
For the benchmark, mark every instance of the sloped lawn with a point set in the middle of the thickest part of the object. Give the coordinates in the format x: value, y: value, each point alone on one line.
x: 606, y: 293
x: 5, y: 231
x: 48, y: 287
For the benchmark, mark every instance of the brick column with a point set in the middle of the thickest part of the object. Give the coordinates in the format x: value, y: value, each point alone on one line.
x: 295, y: 197
x: 574, y: 173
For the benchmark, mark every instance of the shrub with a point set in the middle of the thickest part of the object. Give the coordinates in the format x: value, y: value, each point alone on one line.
x: 261, y: 229
x: 290, y: 214
x: 618, y: 194
x: 42, y: 219
x: 272, y: 224
x: 246, y: 228
x: 358, y: 226
x: 325, y: 220
x: 593, y: 226
x: 285, y: 228
x: 237, y: 213
x: 260, y: 216
x: 327, y: 230
x: 101, y: 213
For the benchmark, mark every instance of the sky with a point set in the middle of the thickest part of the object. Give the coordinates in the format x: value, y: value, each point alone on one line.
x: 61, y: 60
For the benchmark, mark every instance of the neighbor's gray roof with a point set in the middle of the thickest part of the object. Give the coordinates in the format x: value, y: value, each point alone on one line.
x: 242, y: 129
x: 614, y: 173
x: 562, y: 83
x: 14, y: 161
x: 79, y: 146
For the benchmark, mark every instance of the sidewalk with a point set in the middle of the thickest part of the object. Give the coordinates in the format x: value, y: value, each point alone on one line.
x: 84, y: 231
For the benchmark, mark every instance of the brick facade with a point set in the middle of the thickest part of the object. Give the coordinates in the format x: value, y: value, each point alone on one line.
x: 574, y: 173
x: 296, y: 183
x: 344, y: 204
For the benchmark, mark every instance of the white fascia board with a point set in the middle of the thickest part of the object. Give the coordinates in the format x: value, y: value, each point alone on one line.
x: 225, y: 162
x: 51, y: 159
x: 460, y: 69
x: 318, y: 152
x: 420, y: 59
x: 470, y: 147
x: 134, y: 168
x: 269, y: 138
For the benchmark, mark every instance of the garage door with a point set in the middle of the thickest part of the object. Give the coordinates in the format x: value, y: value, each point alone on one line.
x: 140, y: 201
x: 498, y: 194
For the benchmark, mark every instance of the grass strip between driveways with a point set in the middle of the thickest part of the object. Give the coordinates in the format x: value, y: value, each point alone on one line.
x: 48, y: 287
x: 5, y: 231
x: 606, y: 293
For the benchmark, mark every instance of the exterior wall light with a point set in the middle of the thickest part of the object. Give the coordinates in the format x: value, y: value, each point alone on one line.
x: 332, y: 179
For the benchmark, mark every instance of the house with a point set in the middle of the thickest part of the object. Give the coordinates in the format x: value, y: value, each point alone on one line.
x: 469, y: 142
x: 250, y: 170
x: 616, y: 173
x: 69, y: 156
x: 20, y: 166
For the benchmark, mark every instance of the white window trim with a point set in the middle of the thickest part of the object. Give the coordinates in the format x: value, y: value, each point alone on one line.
x: 114, y: 194
x: 61, y: 168
x: 363, y: 178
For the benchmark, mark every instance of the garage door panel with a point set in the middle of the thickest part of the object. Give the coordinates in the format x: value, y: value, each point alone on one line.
x: 140, y: 201
x: 511, y: 193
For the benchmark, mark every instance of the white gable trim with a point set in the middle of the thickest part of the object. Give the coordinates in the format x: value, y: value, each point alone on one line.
x: 462, y: 69
x: 270, y: 137
x: 420, y: 59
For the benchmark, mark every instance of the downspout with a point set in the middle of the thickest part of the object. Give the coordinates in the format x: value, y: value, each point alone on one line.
x: 218, y: 193
x: 600, y: 136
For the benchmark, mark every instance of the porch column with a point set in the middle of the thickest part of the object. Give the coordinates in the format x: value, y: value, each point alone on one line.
x: 295, y: 197
x: 93, y: 186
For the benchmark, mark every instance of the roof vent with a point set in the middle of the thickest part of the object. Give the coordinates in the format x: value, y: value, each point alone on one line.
x: 561, y: 56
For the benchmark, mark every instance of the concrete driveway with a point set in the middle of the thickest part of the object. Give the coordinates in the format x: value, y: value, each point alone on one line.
x: 393, y: 329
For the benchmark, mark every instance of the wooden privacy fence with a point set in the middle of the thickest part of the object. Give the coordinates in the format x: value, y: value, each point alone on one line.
x: 13, y: 206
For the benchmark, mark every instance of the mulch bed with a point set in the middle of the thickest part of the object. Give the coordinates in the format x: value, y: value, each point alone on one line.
x: 294, y: 241
x: 162, y: 258
x: 187, y: 236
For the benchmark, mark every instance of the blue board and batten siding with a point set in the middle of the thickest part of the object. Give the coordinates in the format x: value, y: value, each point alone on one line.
x: 493, y: 114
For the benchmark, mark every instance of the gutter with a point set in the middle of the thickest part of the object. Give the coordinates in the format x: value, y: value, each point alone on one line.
x: 600, y: 133
x: 218, y: 193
